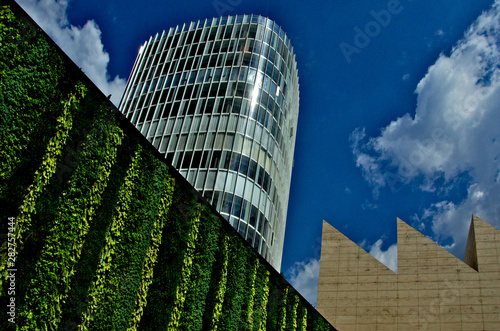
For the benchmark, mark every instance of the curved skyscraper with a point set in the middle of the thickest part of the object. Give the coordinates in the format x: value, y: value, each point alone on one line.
x: 220, y: 98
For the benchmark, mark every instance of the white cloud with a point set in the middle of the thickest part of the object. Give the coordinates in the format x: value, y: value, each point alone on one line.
x: 454, y: 133
x: 303, y: 276
x: 389, y: 257
x: 368, y: 205
x: 82, y: 44
x: 367, y: 163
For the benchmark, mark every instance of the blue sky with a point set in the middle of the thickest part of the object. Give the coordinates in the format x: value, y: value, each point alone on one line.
x: 399, y: 109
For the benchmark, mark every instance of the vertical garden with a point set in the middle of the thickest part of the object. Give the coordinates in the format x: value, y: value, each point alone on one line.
x: 103, y: 235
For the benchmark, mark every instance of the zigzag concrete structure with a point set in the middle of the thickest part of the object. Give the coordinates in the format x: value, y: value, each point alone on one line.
x: 433, y: 290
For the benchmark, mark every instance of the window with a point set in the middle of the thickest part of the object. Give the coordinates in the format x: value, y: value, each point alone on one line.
x: 201, y: 75
x: 187, y: 159
x: 223, y: 123
x: 192, y: 107
x: 218, y: 140
x: 189, y: 37
x: 242, y: 229
x: 217, y: 74
x: 234, y: 74
x: 210, y: 103
x: 173, y: 143
x: 209, y: 140
x: 252, y: 169
x: 225, y: 74
x: 204, y: 123
x: 253, y: 216
x: 240, y: 185
x: 236, y: 109
x: 241, y: 45
x: 204, y: 160
x: 196, y: 91
x: 235, y: 161
x: 216, y: 198
x: 256, y: 243
x: 216, y: 48
x: 244, y: 164
x: 267, y: 36
x: 197, y: 160
x: 192, y: 52
x: 200, y: 179
x: 226, y: 203
x: 228, y: 142
x: 204, y: 90
x: 197, y: 35
x: 163, y: 146
x: 224, y: 46
x: 222, y: 90
x: 240, y: 89
x: 204, y: 61
x: 261, y: 222
x: 250, y: 235
x: 182, y: 142
x: 227, y: 33
x: 229, y: 60
x: 216, y: 156
x: 236, y: 206
x: 244, y: 31
x: 190, y: 142
x: 253, y: 31
x: 180, y: 93
x: 214, y: 122
x: 210, y: 182
x: 213, y: 61
x: 208, y: 195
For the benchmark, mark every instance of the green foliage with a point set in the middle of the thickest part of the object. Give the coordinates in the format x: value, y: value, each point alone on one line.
x: 152, y: 254
x: 30, y: 94
x: 293, y: 307
x: 283, y: 311
x: 235, y: 286
x: 49, y: 161
x: 202, y: 267
x: 251, y: 298
x: 109, y: 237
x: 45, y: 171
x: 87, y: 267
x: 221, y: 286
x: 49, y: 287
x: 264, y: 302
x: 163, y: 289
x: 303, y: 319
x: 187, y: 266
x: 99, y: 291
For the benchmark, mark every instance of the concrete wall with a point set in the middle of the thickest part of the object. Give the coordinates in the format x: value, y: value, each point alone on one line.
x: 433, y: 290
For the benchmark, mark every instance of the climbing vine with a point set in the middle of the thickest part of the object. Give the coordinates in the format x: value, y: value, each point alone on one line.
x: 152, y: 254
x: 49, y: 287
x: 251, y: 297
x: 219, y: 295
x: 187, y: 265
x: 113, y: 239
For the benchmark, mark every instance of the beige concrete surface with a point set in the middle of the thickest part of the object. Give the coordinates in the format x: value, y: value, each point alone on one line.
x: 433, y: 290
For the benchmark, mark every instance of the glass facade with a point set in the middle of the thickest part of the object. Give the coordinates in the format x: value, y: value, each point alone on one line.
x: 220, y: 99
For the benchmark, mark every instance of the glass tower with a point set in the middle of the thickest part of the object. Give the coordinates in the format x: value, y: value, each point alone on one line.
x: 220, y: 99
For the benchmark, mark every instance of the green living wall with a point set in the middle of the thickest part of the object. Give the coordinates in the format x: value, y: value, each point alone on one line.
x: 99, y: 233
